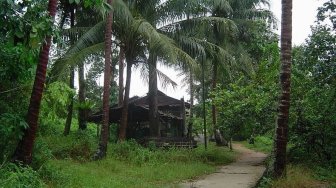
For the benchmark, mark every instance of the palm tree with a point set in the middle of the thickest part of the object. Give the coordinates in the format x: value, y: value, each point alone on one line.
x: 24, y: 149
x: 284, y: 103
x: 72, y: 81
x: 172, y: 10
x: 107, y: 80
x: 81, y: 97
x: 121, y: 76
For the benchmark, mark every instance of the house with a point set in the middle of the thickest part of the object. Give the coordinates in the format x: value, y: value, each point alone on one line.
x: 172, y: 116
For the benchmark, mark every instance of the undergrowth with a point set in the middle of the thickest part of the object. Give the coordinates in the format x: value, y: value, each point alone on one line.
x: 261, y: 143
x: 66, y: 161
x: 297, y: 176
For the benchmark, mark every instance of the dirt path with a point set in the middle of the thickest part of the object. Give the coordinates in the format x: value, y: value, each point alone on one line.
x: 243, y: 173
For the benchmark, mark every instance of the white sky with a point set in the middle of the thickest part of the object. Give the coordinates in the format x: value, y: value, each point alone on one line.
x: 304, y: 13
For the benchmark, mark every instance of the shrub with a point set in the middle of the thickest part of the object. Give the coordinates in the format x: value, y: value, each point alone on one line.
x: 11, y: 131
x: 78, y: 146
x: 12, y: 176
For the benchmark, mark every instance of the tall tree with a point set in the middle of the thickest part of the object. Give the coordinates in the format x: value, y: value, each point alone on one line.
x: 281, y: 136
x: 71, y: 80
x: 121, y: 76
x: 102, y: 148
x: 24, y: 149
x: 81, y: 97
x: 152, y: 97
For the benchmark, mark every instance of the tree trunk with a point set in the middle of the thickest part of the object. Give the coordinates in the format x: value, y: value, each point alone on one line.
x: 102, y: 148
x: 154, y: 123
x: 217, y: 134
x: 284, y: 102
x: 121, y: 76
x: 213, y: 107
x: 81, y: 97
x: 214, y: 83
x: 191, y: 87
x: 70, y: 107
x: 204, y: 111
x: 124, y: 115
x: 24, y: 149
x: 72, y: 80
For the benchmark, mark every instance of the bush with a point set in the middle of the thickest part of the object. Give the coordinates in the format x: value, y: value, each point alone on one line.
x: 52, y: 173
x: 14, y: 176
x: 41, y: 154
x: 78, y: 146
x: 11, y: 131
x: 262, y: 144
x: 132, y: 152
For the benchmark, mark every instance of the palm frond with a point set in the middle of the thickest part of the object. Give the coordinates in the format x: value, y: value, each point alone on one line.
x: 165, y: 80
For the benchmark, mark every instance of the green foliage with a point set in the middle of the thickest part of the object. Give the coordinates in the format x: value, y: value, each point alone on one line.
x: 131, y: 152
x: 78, y: 146
x: 247, y: 107
x: 53, y: 107
x: 11, y: 131
x: 262, y: 144
x: 297, y: 176
x: 131, y: 165
x: 24, y: 22
x: 50, y: 173
x: 313, y: 108
x: 16, y: 176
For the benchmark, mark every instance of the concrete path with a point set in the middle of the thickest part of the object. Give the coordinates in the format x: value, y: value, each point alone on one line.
x: 244, y: 173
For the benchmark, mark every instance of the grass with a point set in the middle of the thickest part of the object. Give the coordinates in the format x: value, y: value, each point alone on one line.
x: 127, y: 164
x: 302, y: 174
x: 297, y: 176
x: 261, y: 143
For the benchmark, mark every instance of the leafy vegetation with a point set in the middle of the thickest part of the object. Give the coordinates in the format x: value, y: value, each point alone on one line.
x: 260, y: 143
x: 68, y: 163
x: 226, y: 49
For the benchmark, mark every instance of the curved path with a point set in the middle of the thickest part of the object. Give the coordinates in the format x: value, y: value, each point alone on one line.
x: 243, y: 173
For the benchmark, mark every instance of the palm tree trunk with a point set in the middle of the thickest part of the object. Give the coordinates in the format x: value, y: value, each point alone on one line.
x: 71, y: 84
x: 154, y: 129
x: 124, y: 115
x: 284, y: 103
x: 102, y: 148
x: 213, y: 107
x: 121, y: 76
x: 24, y: 149
x: 217, y: 134
x: 191, y: 87
x: 81, y: 97
x: 204, y: 112
x: 70, y: 107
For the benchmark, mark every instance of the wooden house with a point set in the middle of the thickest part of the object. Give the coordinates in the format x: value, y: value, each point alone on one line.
x: 172, y: 116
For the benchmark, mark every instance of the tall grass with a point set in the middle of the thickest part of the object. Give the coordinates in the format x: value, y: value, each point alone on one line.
x: 297, y: 176
x: 130, y: 165
x: 261, y: 143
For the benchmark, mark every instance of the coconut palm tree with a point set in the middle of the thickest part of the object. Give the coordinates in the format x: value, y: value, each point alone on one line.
x: 137, y: 37
x: 102, y: 148
x: 281, y: 136
x: 71, y: 80
x: 24, y: 149
x: 245, y: 14
x: 181, y: 14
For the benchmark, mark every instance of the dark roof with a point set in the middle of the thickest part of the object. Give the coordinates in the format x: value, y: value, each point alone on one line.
x: 140, y: 108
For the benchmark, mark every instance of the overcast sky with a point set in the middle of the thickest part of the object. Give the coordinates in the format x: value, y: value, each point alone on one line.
x: 304, y: 13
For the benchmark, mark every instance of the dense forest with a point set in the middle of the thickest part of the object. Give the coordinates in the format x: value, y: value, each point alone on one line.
x: 63, y: 62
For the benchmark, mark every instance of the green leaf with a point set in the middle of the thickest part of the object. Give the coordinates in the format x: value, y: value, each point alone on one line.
x: 19, y: 33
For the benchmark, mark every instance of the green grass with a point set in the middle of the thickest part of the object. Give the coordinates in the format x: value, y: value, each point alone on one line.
x: 261, y: 143
x: 297, y: 176
x: 127, y: 164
